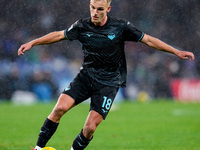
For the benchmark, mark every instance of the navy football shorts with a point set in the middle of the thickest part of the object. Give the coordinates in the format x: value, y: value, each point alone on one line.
x: 84, y: 87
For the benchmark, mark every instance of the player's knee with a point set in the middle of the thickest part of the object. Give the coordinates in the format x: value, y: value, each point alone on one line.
x: 90, y: 129
x: 59, y: 110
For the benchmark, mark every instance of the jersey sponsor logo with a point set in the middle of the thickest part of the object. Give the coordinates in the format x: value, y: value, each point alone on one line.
x: 89, y: 34
x: 111, y: 36
x: 104, y: 111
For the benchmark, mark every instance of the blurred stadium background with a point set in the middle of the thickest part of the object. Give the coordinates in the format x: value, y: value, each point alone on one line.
x: 46, y: 70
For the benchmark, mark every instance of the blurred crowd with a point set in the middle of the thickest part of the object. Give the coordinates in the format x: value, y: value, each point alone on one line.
x: 47, y: 70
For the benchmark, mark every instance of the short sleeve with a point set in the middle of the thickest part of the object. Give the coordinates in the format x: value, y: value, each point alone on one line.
x: 132, y: 33
x: 73, y: 32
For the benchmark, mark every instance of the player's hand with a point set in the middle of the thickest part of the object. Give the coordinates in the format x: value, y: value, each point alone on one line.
x: 185, y: 55
x: 24, y: 48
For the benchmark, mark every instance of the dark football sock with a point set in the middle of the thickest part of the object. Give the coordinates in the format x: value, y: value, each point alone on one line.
x: 48, y: 129
x: 81, y: 142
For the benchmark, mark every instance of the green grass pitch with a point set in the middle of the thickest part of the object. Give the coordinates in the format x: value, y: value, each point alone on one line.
x: 157, y: 125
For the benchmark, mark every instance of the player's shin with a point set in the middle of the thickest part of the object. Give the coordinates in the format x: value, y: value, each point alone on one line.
x: 80, y: 142
x: 48, y: 129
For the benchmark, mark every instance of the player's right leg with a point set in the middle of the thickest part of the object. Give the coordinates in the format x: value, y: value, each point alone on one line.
x: 65, y: 103
x: 78, y: 91
x: 50, y: 125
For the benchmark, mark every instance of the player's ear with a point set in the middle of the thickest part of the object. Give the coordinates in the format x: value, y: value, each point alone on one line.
x: 109, y: 8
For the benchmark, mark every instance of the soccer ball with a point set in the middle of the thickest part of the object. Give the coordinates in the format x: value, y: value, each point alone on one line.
x: 48, y: 148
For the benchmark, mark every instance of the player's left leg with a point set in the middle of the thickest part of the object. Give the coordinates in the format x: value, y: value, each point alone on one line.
x: 101, y: 102
x: 93, y: 120
x: 86, y: 134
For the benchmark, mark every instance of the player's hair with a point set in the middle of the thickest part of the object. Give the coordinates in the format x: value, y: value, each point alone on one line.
x: 107, y: 1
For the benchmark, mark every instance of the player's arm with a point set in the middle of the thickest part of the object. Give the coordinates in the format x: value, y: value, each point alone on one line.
x: 159, y: 45
x: 47, y: 39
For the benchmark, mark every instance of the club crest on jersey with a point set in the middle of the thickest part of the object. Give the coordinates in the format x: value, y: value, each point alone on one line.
x: 111, y: 36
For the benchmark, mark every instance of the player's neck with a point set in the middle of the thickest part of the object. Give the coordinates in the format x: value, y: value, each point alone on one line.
x: 102, y: 23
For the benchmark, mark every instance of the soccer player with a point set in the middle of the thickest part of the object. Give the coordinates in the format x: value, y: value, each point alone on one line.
x: 103, y: 70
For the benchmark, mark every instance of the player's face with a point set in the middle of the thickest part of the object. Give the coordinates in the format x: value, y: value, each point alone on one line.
x: 98, y: 11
